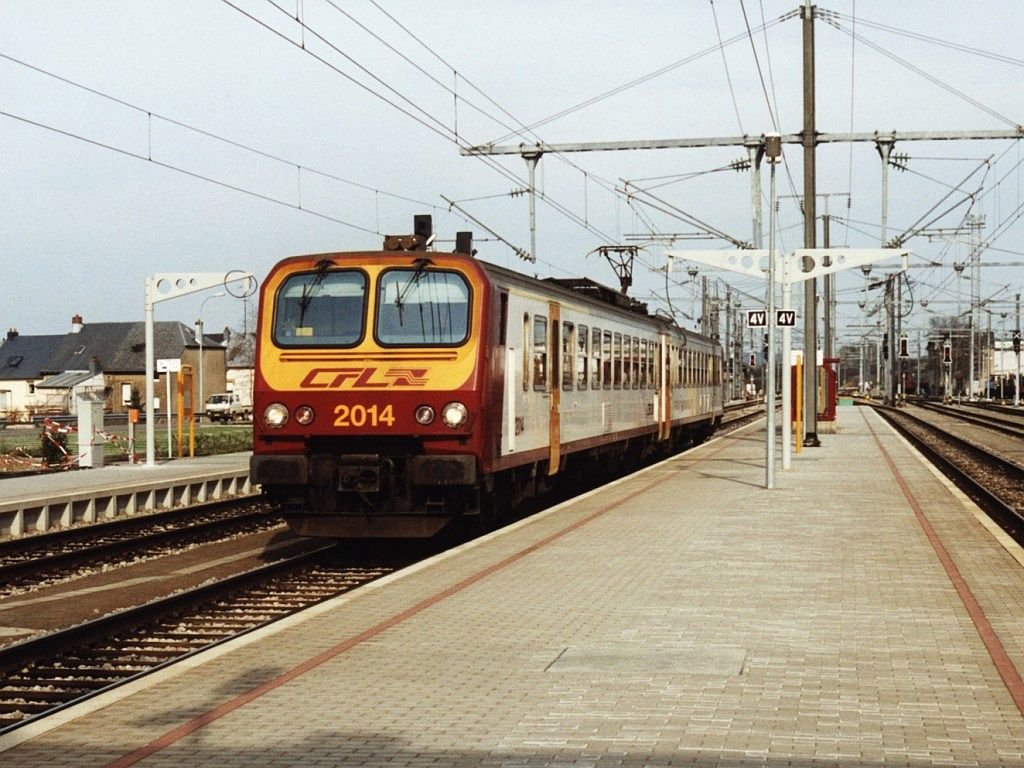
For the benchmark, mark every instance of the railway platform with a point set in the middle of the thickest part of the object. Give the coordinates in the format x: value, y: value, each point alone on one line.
x: 860, y: 613
x: 41, y: 502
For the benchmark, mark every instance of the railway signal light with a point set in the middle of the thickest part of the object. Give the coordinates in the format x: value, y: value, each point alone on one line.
x: 1016, y: 342
x: 947, y: 353
x: 904, y: 352
x: 766, y: 347
x: 885, y: 346
x: 753, y: 360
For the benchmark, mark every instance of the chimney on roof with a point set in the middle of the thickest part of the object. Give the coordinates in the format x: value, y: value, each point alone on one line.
x: 12, y: 333
x: 76, y: 323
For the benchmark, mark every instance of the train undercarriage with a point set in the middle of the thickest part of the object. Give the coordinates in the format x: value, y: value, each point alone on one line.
x: 392, y: 489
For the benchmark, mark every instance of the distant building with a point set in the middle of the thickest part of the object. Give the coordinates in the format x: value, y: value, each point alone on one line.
x: 40, y: 375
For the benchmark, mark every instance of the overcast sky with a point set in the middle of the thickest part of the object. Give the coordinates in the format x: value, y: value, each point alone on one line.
x: 146, y: 137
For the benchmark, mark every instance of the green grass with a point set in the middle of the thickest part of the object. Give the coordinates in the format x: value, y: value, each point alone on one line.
x: 209, y: 440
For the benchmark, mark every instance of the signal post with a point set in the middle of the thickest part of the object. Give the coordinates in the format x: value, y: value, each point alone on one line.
x: 758, y: 263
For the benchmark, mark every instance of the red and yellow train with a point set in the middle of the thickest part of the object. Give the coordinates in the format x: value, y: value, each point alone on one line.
x: 397, y: 391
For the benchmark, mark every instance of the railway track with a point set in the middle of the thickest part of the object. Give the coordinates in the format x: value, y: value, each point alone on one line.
x: 994, y: 478
x: 35, y: 561
x: 42, y: 675
x: 1003, y: 421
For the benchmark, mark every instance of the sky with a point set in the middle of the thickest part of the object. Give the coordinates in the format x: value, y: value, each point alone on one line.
x: 196, y: 137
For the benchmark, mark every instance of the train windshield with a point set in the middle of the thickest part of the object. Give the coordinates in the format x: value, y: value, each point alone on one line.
x: 322, y: 308
x: 420, y: 306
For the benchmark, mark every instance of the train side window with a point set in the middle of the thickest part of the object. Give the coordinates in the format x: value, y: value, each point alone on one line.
x: 627, y: 346
x: 568, y: 354
x: 635, y: 364
x: 653, y: 363
x: 607, y: 361
x: 595, y: 356
x: 540, y: 352
x: 631, y: 346
x: 617, y: 372
x: 583, y: 357
x: 643, y: 364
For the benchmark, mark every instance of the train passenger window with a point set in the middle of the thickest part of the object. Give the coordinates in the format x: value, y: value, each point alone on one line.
x: 634, y: 361
x: 653, y: 364
x: 617, y: 372
x: 640, y: 362
x: 422, y: 306
x: 627, y: 354
x: 322, y: 308
x: 540, y: 353
x: 595, y: 358
x: 568, y: 356
x: 582, y: 357
x: 606, y: 361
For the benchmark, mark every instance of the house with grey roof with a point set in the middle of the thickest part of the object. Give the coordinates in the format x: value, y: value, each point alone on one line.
x: 22, y: 365
x: 40, y: 375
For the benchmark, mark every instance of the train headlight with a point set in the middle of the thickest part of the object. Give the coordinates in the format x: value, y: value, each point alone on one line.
x: 275, y: 415
x: 304, y: 415
x: 454, y: 415
x: 424, y: 415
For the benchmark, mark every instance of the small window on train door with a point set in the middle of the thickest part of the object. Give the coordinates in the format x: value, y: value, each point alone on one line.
x: 527, y: 351
x: 582, y: 357
x: 568, y: 355
x: 503, y: 319
x: 540, y: 353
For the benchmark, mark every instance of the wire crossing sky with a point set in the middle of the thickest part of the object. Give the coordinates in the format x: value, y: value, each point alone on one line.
x: 176, y: 136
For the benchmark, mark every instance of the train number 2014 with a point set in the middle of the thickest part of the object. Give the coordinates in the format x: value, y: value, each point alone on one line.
x: 363, y: 415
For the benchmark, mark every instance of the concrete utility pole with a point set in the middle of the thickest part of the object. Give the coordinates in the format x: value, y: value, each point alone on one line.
x: 810, y: 236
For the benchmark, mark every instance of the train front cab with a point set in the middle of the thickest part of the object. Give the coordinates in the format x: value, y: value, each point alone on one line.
x: 368, y: 392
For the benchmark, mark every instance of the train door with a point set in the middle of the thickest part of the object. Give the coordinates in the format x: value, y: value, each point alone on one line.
x: 555, y: 389
x: 664, y: 390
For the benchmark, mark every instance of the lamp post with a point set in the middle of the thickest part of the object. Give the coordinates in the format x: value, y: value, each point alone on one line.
x: 199, y: 322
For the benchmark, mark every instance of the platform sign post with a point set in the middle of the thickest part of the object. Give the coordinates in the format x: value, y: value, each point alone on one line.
x: 162, y: 287
x: 761, y: 263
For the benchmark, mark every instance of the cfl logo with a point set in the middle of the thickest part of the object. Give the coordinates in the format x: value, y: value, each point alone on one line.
x: 364, y: 378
